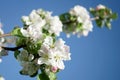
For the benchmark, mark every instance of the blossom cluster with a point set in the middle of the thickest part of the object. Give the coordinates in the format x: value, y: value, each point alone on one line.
x: 37, y: 46
x: 41, y: 47
x: 40, y: 20
x: 77, y: 21
x: 83, y: 17
x: 54, y: 53
x: 104, y: 16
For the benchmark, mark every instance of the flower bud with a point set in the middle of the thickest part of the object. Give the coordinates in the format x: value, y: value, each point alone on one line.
x: 54, y: 69
x: 100, y: 6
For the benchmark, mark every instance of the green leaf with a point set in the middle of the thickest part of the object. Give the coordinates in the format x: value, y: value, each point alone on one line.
x: 34, y: 75
x: 99, y: 23
x: 21, y: 41
x: 16, y: 53
x: 16, y: 32
x: 43, y: 76
x: 102, y: 13
x: 65, y: 17
x: 52, y: 76
x: 92, y: 11
x: 73, y: 18
x: 45, y: 31
x: 114, y: 16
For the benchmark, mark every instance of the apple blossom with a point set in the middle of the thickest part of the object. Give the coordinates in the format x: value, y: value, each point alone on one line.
x: 54, y: 54
x: 82, y: 17
x: 37, y: 46
x: 39, y: 20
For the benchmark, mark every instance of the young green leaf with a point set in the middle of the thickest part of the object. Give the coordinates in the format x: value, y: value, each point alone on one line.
x: 43, y: 76
x: 17, y: 32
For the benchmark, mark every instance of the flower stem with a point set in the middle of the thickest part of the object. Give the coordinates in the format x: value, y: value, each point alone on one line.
x: 5, y: 35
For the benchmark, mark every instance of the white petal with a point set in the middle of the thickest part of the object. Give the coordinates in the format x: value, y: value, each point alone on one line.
x: 24, y: 32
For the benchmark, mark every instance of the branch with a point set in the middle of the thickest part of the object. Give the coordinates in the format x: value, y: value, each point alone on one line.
x: 5, y: 35
x: 13, y: 48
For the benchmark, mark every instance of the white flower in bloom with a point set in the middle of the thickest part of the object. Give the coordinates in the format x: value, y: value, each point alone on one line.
x: 34, y: 17
x: 39, y: 19
x: 100, y: 6
x: 44, y: 52
x: 24, y: 56
x: 28, y: 65
x: 54, y: 55
x: 34, y: 31
x: 29, y: 68
x: 26, y: 20
x: 48, y: 41
x: 82, y: 17
x: 55, y: 25
x: 44, y: 14
x: 64, y: 49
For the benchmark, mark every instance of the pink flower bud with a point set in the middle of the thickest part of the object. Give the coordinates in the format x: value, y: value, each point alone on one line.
x: 54, y: 69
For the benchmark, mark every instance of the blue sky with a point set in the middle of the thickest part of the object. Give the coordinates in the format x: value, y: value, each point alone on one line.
x: 96, y: 57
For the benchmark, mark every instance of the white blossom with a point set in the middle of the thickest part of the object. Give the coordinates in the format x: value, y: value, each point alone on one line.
x: 29, y: 68
x: 34, y: 31
x: 39, y: 20
x: 25, y: 56
x: 44, y: 14
x: 45, y: 51
x: 26, y: 60
x: 34, y: 17
x: 55, y: 25
x: 54, y: 55
x: 82, y: 17
x: 26, y: 20
x: 64, y: 49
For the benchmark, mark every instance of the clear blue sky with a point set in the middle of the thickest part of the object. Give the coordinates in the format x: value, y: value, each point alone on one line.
x: 96, y: 57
